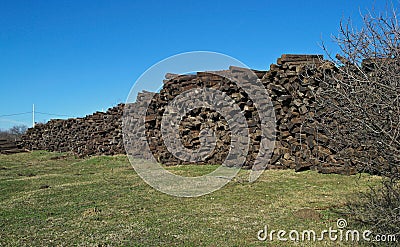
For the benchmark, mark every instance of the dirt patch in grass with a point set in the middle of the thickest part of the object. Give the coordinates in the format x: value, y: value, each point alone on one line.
x: 308, y: 214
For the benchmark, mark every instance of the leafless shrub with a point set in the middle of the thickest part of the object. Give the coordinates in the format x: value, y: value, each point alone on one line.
x: 361, y: 113
x: 379, y: 209
x: 361, y: 99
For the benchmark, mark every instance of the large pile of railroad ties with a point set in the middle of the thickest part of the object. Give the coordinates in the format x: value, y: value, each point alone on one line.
x: 292, y: 85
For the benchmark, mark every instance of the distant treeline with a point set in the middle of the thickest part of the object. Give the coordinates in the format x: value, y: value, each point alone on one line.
x: 14, y: 133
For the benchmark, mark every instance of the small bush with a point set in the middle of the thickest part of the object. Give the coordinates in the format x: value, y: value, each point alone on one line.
x: 379, y: 209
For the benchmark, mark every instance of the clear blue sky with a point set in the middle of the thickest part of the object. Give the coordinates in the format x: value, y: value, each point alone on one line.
x: 77, y: 57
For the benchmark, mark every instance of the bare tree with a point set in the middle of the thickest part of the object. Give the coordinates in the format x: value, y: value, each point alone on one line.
x: 361, y: 112
x: 361, y: 98
x: 18, y: 130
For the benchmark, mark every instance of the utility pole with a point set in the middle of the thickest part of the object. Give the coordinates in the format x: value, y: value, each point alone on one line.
x: 33, y: 116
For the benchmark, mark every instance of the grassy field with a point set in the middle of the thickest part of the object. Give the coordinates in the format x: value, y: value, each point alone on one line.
x: 53, y: 199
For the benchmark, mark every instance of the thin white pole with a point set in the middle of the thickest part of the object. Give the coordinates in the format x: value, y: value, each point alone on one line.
x: 33, y: 116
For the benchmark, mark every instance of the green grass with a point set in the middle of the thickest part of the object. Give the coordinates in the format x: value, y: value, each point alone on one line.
x: 53, y: 199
